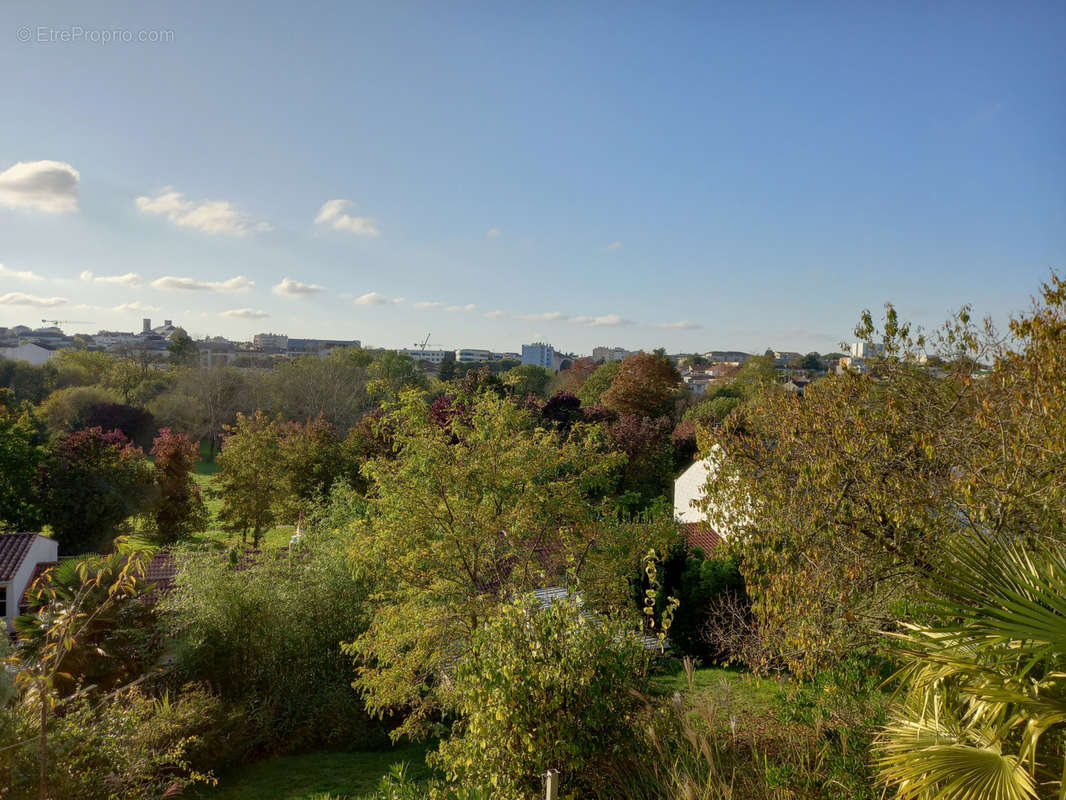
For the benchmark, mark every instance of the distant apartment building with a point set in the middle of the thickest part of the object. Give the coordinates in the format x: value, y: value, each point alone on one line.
x: 610, y: 353
x: 109, y: 339
x: 469, y: 355
x: 716, y: 356
x: 271, y: 342
x: 866, y: 350
x: 543, y: 355
x: 432, y: 356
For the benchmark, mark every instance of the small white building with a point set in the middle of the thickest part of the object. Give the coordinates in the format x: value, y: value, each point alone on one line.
x: 432, y: 356
x: 690, y: 495
x: 29, y: 352
x: 20, y: 556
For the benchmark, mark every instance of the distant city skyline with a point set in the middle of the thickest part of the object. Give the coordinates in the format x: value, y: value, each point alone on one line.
x: 691, y: 177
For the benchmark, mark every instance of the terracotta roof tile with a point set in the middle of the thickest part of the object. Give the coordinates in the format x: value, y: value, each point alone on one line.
x: 13, y: 549
x: 701, y: 535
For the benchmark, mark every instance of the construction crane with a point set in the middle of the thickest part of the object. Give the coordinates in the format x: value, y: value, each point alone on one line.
x: 58, y: 322
x: 423, y: 344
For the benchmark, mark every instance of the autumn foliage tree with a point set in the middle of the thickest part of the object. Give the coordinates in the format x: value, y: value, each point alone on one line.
x: 646, y: 385
x: 855, y: 489
x: 179, y: 509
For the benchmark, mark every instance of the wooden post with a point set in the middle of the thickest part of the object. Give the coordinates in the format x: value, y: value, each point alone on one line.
x: 551, y: 784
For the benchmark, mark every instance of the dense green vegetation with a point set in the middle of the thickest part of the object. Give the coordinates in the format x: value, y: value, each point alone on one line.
x: 495, y: 574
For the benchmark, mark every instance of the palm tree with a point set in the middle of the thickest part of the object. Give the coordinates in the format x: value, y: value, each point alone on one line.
x: 982, y: 709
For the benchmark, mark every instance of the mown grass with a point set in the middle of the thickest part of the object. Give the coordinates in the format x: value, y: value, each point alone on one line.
x: 309, y: 776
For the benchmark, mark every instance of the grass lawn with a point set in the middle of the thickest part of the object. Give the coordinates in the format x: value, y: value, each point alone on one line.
x: 742, y: 691
x: 307, y: 776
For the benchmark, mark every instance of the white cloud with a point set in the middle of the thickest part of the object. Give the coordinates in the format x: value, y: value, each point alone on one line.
x: 606, y: 321
x: 493, y: 233
x: 371, y: 299
x: 22, y: 275
x: 245, y: 313
x: 496, y: 314
x: 400, y: 300
x: 22, y: 299
x: 136, y: 305
x: 129, y: 279
x: 49, y: 186
x: 549, y: 316
x: 240, y: 283
x: 614, y: 246
x: 333, y: 215
x: 683, y: 325
x: 291, y: 288
x: 467, y: 307
x: 425, y: 304
x: 210, y: 216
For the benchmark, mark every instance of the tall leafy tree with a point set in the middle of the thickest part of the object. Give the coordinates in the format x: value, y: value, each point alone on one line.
x: 646, y: 385
x: 95, y: 481
x: 251, y: 481
x: 22, y: 454
x: 466, y: 512
x: 179, y: 509
x: 599, y: 381
x: 852, y: 492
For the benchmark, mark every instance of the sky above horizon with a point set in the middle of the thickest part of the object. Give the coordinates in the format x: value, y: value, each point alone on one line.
x: 688, y: 175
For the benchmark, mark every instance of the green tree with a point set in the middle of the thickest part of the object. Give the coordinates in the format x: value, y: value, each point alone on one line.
x: 65, y: 407
x: 527, y: 379
x: 646, y: 385
x: 392, y: 372
x: 592, y: 388
x: 544, y: 688
x: 265, y: 636
x: 313, y: 459
x: 475, y: 504
x: 22, y: 454
x: 182, y: 350
x: 251, y: 482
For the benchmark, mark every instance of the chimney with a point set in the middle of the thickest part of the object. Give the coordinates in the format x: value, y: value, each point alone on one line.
x: 146, y: 325
x: 166, y: 322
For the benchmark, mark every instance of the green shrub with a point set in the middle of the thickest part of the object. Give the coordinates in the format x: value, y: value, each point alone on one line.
x: 264, y: 631
x: 844, y: 706
x: 542, y: 688
x: 132, y: 746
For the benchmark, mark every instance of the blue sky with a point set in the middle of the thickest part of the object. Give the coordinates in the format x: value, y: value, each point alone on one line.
x: 694, y: 176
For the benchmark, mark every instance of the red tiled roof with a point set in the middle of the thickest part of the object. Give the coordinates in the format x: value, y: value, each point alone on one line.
x: 701, y: 535
x: 13, y: 549
x: 161, y: 571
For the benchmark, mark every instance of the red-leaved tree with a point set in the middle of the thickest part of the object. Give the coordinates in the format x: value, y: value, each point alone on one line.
x: 179, y: 509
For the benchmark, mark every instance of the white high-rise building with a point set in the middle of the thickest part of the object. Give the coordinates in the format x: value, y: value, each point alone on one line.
x: 866, y: 350
x: 543, y: 355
